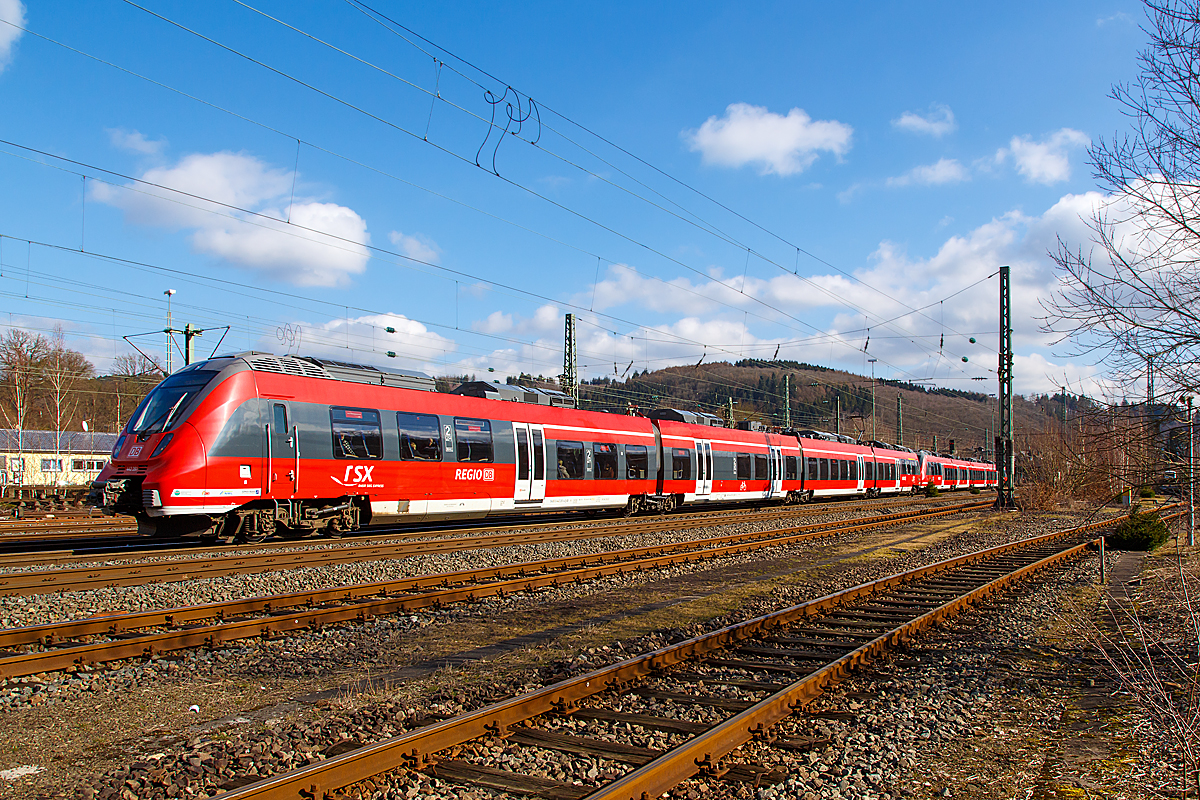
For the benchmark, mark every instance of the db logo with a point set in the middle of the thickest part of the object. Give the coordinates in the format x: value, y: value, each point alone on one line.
x: 135, y: 451
x: 475, y: 474
x: 743, y: 486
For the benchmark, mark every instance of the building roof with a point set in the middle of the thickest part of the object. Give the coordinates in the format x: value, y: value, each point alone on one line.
x: 68, y: 442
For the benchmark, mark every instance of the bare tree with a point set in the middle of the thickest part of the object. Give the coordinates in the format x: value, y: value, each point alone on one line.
x: 136, y: 371
x: 63, y: 370
x: 1130, y: 297
x: 22, y: 355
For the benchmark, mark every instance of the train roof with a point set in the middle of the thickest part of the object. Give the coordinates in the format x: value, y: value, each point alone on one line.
x: 313, y: 367
x: 515, y: 394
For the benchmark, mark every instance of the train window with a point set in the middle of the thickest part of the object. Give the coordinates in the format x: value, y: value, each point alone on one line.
x: 845, y: 470
x: 522, y: 454
x: 789, y: 468
x: 824, y: 469
x: 606, y: 461
x: 760, y: 467
x: 637, y: 461
x: 854, y: 470
x: 539, y: 457
x: 474, y: 438
x: 743, y: 466
x: 357, y: 433
x: 814, y: 469
x: 419, y: 437
x: 570, y: 460
x: 681, y: 465
x: 280, y: 418
x: 869, y: 471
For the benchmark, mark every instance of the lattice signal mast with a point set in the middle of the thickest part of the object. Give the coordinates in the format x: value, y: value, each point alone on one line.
x: 1005, y: 456
x: 570, y: 376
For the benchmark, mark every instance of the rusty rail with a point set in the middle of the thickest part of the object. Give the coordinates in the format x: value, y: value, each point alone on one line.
x: 429, y: 591
x: 418, y: 749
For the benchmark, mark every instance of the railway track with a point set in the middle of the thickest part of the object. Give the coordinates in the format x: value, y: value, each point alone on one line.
x: 704, y: 697
x: 215, y: 562
x: 30, y: 650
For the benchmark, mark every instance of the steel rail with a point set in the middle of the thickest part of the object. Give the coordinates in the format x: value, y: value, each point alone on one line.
x: 429, y: 591
x: 177, y: 569
x: 708, y: 517
x: 418, y: 749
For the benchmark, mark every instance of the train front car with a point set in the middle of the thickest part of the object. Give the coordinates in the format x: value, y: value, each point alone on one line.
x: 159, y: 467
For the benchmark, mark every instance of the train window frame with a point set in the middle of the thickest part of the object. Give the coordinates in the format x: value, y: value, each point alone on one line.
x: 478, y: 450
x: 355, y: 421
x: 761, y: 468
x: 825, y: 469
x: 791, y: 469
x: 681, y: 464
x: 814, y: 468
x: 276, y: 410
x: 637, y: 454
x: 570, y: 460
x: 604, y: 460
x: 431, y: 433
x: 743, y: 465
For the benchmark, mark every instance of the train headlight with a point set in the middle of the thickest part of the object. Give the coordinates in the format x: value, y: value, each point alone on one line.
x: 162, y: 444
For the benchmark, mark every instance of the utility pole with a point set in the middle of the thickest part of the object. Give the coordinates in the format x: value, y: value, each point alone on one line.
x: 872, y: 360
x: 899, y: 422
x: 570, y: 376
x: 729, y: 413
x: 1191, y: 475
x: 1005, y: 457
x: 189, y: 344
x: 838, y: 422
x: 169, y: 331
x: 787, y: 402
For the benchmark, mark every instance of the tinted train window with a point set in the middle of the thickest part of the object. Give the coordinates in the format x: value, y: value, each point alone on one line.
x: 681, y: 465
x: 280, y: 414
x: 570, y: 460
x: 419, y: 435
x: 814, y: 469
x: 356, y: 433
x: 845, y: 470
x: 539, y: 457
x: 824, y: 469
x: 789, y: 468
x: 474, y: 437
x: 760, y: 467
x: 522, y: 454
x: 605, y: 467
x: 743, y: 466
x: 637, y: 461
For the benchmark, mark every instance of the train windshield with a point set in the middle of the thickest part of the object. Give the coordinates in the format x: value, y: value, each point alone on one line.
x: 170, y: 400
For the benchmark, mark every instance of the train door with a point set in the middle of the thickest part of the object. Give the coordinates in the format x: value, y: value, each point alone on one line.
x: 537, y: 483
x: 523, y: 487
x: 283, y: 451
x: 704, y: 464
x: 862, y: 476
x: 775, y: 459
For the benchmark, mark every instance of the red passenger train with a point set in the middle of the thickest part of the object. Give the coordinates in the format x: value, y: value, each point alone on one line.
x: 249, y: 445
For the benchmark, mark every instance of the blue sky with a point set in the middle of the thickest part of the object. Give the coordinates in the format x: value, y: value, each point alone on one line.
x: 692, y: 180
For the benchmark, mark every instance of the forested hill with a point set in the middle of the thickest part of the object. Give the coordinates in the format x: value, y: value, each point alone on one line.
x: 757, y: 389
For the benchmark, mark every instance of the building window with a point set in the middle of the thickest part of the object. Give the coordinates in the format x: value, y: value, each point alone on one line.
x: 474, y: 438
x: 570, y: 460
x: 52, y: 465
x: 86, y: 465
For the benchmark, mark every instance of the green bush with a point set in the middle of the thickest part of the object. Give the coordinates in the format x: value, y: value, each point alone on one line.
x: 1141, y: 530
x: 974, y: 490
x: 1146, y: 492
x: 931, y: 490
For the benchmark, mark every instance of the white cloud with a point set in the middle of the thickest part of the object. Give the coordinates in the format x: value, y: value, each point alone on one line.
x: 783, y: 145
x: 365, y: 340
x: 11, y: 11
x: 1120, y: 16
x: 1046, y: 161
x: 324, y: 245
x: 937, y: 123
x: 135, y: 141
x: 946, y: 170
x: 417, y: 247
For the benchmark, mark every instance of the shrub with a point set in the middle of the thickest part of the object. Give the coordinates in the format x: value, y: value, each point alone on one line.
x: 1141, y: 530
x: 1146, y: 492
x: 974, y: 490
x: 932, y: 490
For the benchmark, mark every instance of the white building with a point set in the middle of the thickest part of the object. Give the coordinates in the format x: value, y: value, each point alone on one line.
x: 32, y: 459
